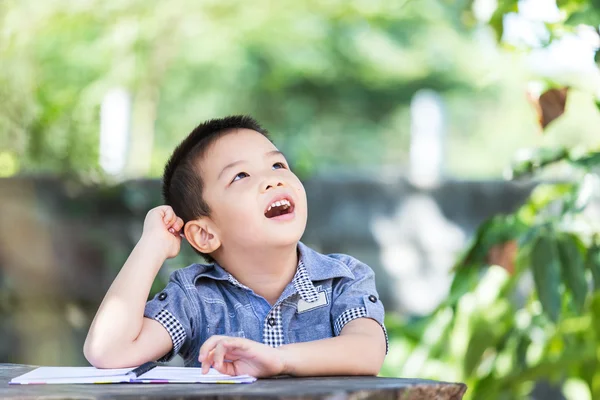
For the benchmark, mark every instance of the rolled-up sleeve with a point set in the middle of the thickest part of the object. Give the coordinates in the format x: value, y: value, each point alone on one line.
x: 356, y: 298
x: 172, y: 308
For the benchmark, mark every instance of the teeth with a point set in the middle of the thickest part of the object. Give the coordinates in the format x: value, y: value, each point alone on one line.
x: 285, y: 203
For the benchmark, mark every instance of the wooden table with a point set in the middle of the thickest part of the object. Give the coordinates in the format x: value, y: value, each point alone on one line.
x: 331, y: 388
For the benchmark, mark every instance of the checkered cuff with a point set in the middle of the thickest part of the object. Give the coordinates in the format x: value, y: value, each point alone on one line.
x: 175, y: 330
x: 352, y: 314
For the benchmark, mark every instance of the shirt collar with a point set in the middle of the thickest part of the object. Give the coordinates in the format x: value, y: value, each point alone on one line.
x: 304, y: 286
x: 320, y: 267
x: 312, y: 266
x: 213, y: 271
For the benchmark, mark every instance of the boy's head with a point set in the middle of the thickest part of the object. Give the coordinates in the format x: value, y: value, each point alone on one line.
x: 222, y: 180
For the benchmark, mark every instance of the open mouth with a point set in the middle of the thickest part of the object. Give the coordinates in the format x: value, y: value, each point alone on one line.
x: 280, y: 207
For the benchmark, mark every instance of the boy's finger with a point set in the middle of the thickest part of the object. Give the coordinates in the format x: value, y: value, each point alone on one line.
x: 228, y: 369
x: 237, y: 346
x: 211, y: 342
x: 208, y: 345
x: 175, y: 226
x: 208, y: 362
x: 178, y: 224
x: 219, y: 355
x: 203, y: 353
x: 168, y: 215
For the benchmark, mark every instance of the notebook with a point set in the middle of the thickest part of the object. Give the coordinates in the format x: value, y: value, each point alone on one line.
x: 145, y: 373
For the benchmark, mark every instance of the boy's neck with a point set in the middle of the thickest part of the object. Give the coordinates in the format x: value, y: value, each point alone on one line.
x: 266, y: 272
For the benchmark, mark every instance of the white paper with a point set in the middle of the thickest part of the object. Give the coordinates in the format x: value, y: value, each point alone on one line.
x: 66, y: 375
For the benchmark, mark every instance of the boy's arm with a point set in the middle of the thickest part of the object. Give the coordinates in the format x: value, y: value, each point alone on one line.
x: 120, y: 336
x: 358, y: 350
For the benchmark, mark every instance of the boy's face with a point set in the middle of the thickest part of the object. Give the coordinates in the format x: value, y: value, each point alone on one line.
x: 244, y: 175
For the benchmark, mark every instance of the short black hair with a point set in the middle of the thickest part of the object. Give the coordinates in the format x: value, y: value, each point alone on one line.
x: 182, y: 182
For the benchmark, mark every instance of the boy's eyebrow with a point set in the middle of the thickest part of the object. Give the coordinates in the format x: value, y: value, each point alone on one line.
x: 233, y: 164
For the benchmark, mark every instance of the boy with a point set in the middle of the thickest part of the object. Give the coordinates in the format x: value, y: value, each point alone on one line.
x: 266, y: 304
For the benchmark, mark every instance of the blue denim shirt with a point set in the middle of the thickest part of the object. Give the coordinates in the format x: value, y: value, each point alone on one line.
x: 326, y: 293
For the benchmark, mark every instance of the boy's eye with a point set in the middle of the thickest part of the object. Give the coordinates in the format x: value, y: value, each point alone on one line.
x: 239, y: 176
x: 278, y: 165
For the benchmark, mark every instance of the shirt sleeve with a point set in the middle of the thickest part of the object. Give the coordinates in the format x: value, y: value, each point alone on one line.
x: 357, y: 298
x: 172, y: 309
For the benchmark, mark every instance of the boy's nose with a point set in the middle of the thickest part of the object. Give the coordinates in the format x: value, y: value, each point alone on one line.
x: 272, y: 183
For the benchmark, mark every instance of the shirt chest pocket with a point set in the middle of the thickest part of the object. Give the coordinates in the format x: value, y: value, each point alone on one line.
x: 311, y: 324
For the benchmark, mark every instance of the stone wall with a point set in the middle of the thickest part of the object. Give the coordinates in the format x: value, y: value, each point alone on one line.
x: 62, y: 243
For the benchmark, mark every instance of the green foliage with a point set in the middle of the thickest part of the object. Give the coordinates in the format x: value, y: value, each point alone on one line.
x: 330, y: 79
x: 503, y: 333
x: 497, y: 20
x: 593, y: 263
x: 581, y: 11
x: 498, y: 229
x: 539, y: 157
x: 508, y: 327
x: 573, y: 268
x: 546, y: 266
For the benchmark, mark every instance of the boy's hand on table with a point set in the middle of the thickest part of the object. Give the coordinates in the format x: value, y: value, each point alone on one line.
x: 244, y: 356
x: 162, y: 228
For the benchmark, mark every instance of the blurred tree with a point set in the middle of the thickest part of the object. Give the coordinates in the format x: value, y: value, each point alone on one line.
x: 331, y: 80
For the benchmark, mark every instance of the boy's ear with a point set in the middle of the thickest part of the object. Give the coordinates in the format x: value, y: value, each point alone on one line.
x: 200, y: 233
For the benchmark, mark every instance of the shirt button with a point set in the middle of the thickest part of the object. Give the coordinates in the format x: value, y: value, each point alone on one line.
x: 162, y: 296
x: 372, y: 299
x: 271, y: 321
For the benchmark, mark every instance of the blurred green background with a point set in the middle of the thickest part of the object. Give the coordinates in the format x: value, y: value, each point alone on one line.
x: 332, y: 80
x: 516, y: 85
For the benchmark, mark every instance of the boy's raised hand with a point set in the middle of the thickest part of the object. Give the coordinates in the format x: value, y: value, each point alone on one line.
x: 162, y: 228
x: 244, y: 356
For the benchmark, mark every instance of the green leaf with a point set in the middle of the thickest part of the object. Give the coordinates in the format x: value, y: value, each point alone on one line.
x: 487, y: 388
x: 589, y: 160
x: 496, y: 230
x: 586, y: 371
x: 521, y: 351
x: 548, y: 155
x: 595, y: 309
x: 521, y: 169
x: 573, y: 268
x: 587, y: 14
x: 465, y: 280
x: 545, y: 194
x: 477, y: 251
x: 579, y: 198
x: 482, y: 338
x: 497, y: 20
x: 545, y: 266
x: 570, y: 4
x: 592, y: 263
x: 536, y: 159
x: 528, y: 237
